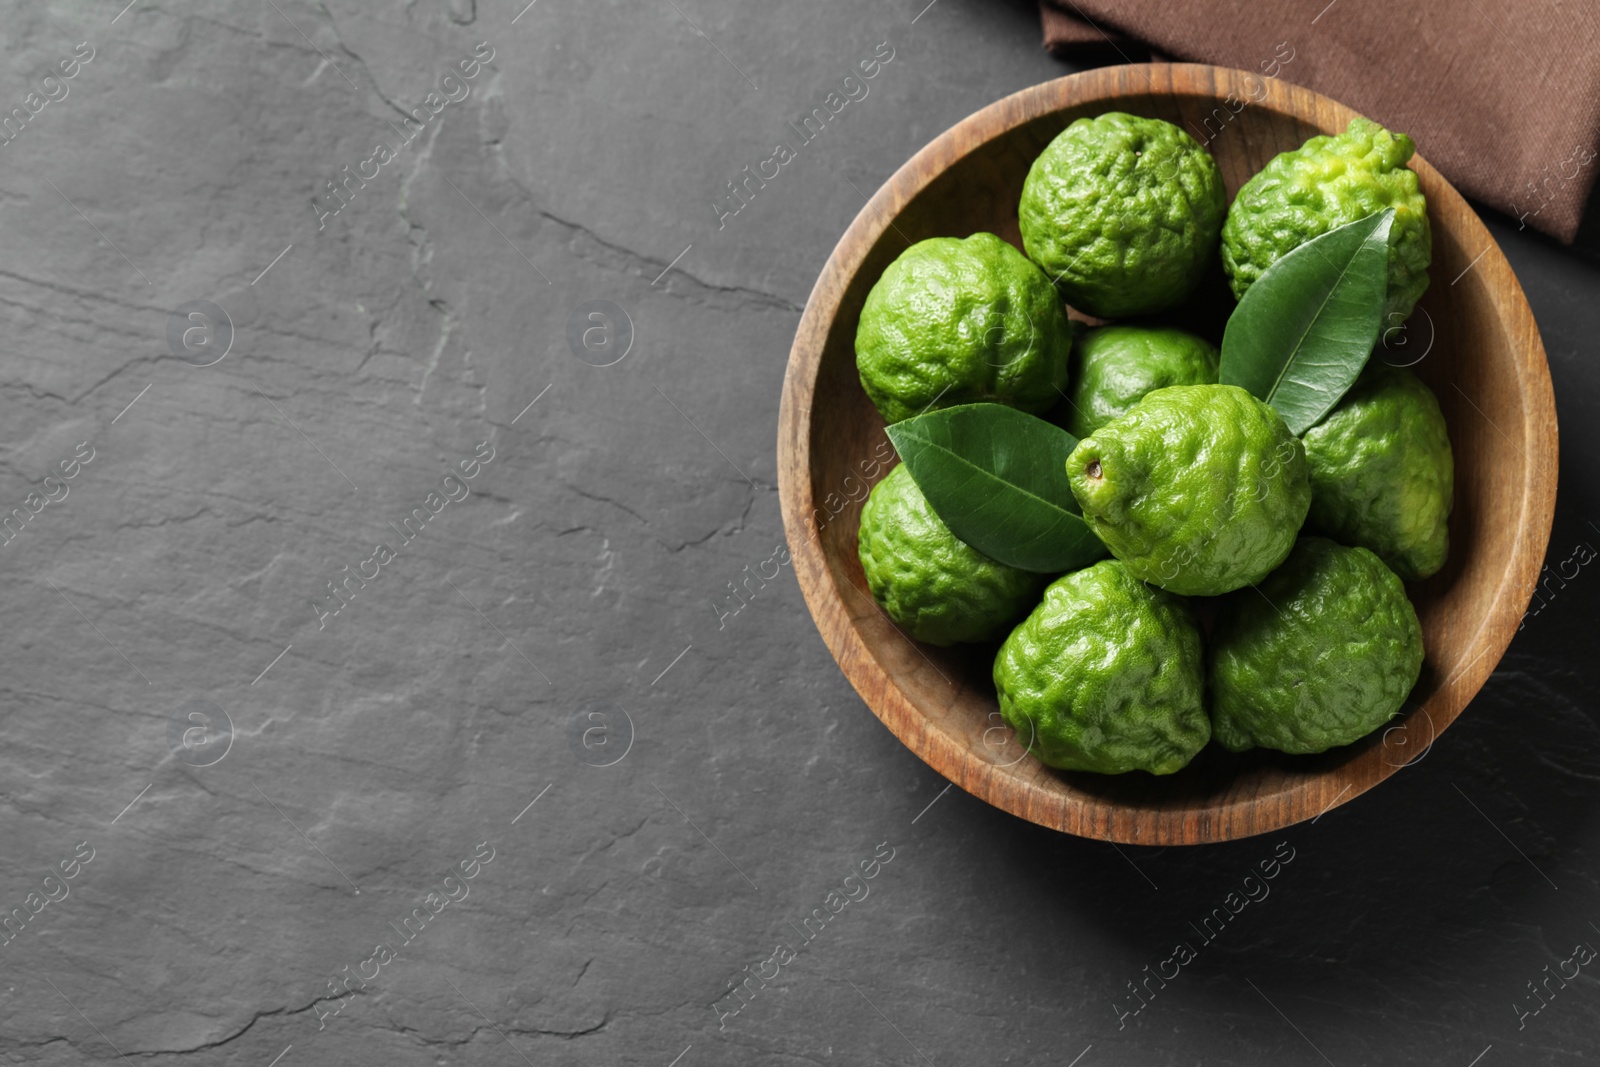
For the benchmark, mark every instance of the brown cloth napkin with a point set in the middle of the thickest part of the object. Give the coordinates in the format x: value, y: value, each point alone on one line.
x: 1503, y: 96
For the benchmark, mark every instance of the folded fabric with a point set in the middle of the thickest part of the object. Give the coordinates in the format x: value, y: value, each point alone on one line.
x: 1503, y: 96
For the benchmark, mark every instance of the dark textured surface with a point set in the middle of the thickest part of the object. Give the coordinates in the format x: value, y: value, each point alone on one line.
x: 592, y: 572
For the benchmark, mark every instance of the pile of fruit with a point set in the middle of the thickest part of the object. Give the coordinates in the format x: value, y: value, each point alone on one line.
x: 1077, y: 493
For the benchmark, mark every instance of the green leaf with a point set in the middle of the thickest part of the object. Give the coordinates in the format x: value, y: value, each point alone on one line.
x: 998, y: 478
x: 1304, y: 330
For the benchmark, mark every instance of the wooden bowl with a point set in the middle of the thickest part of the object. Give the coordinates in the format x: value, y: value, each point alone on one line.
x: 1483, y: 359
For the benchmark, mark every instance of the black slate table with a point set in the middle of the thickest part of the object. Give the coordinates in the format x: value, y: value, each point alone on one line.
x: 408, y: 670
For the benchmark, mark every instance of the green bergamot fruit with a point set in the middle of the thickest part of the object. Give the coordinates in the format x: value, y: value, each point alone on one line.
x: 959, y: 322
x: 1123, y: 212
x: 929, y: 582
x: 1106, y: 675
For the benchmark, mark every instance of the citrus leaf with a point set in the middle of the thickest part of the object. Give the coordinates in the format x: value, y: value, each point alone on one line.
x: 998, y: 478
x: 1304, y: 329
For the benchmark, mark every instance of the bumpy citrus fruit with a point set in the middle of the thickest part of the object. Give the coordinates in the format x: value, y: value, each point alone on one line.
x: 1382, y: 474
x: 1123, y: 212
x: 1324, y: 655
x: 1322, y: 185
x: 1199, y: 489
x: 935, y: 586
x: 1113, y: 367
x: 1106, y: 675
x: 958, y: 322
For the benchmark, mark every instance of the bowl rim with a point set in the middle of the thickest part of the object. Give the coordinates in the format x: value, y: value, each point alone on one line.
x: 1233, y: 816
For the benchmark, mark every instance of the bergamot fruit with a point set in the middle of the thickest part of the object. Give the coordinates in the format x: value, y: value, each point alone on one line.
x: 1323, y: 654
x: 1199, y: 489
x: 1113, y: 367
x: 1382, y: 474
x: 929, y: 582
x: 1123, y: 213
x: 1106, y: 675
x: 960, y: 322
x: 1326, y: 183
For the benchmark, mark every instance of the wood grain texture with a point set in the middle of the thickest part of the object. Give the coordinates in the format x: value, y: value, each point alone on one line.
x: 1475, y: 343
